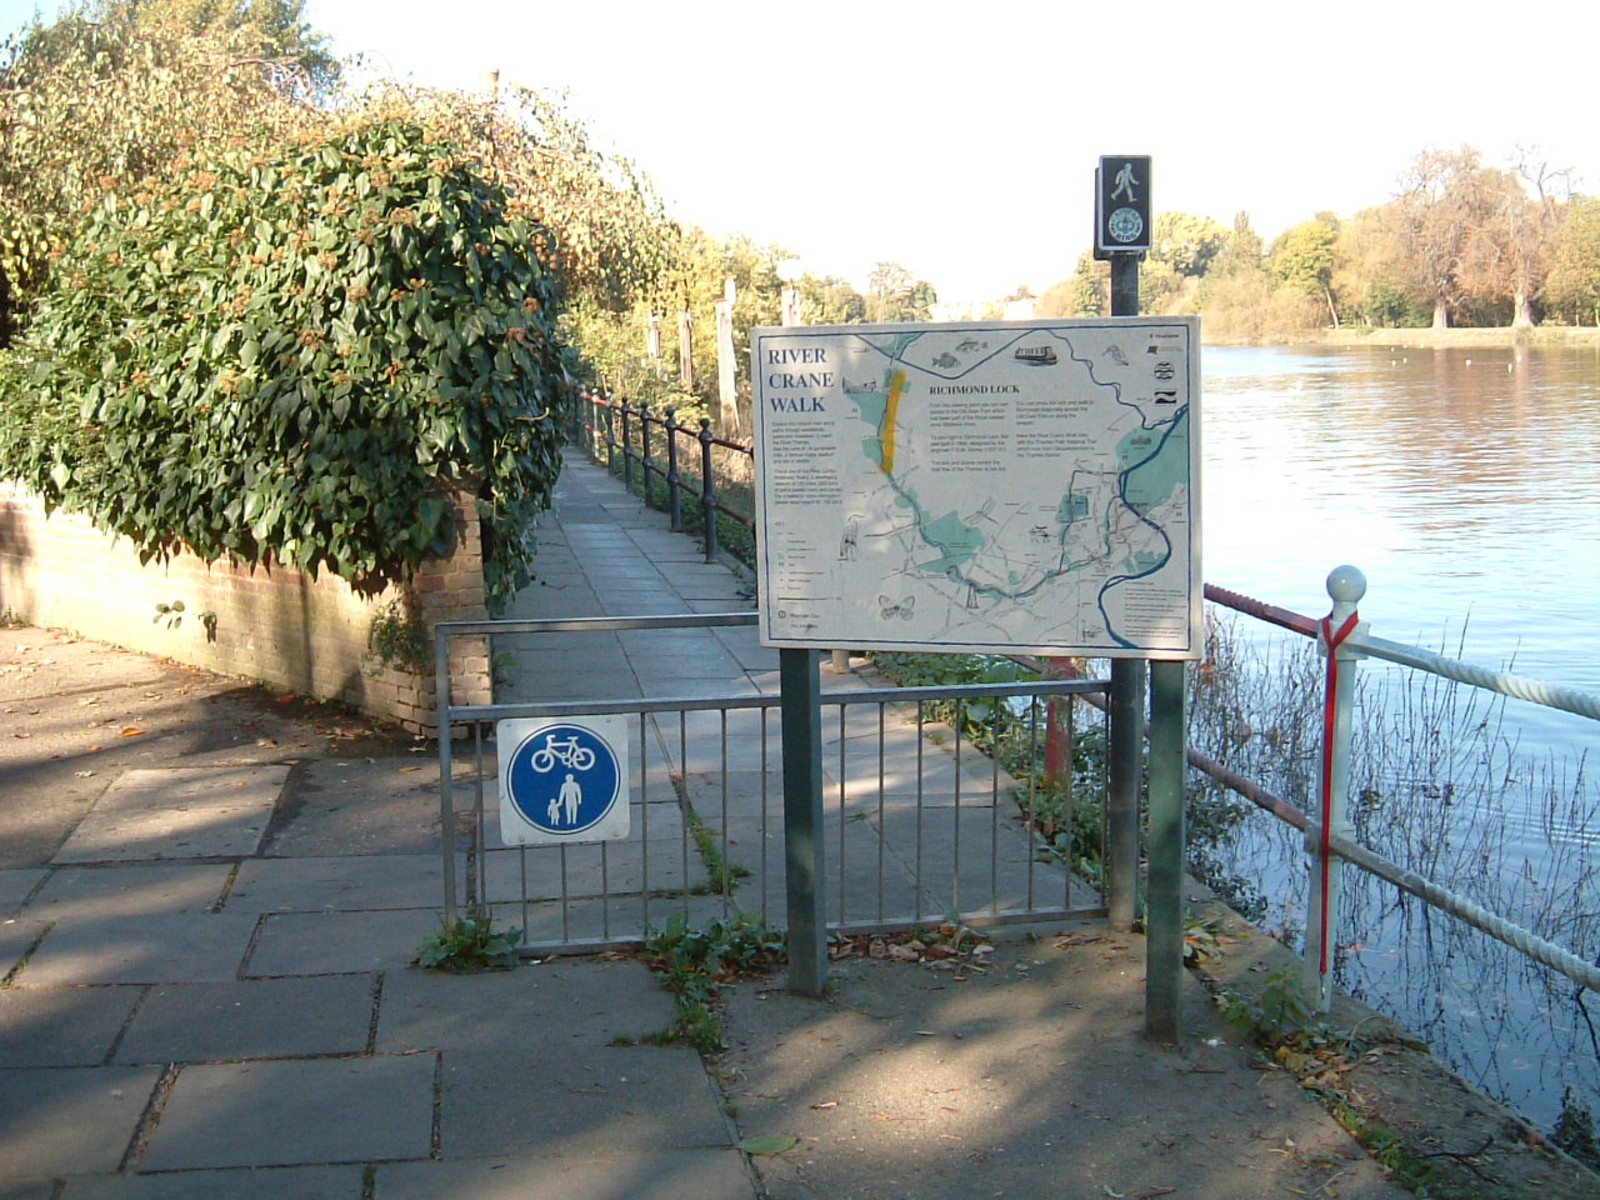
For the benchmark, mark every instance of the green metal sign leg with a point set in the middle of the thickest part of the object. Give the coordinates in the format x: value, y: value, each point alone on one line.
x: 1164, y: 907
x: 1125, y: 781
x: 802, y: 820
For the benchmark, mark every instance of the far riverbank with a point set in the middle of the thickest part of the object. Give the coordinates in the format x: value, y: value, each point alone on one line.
x: 1505, y: 336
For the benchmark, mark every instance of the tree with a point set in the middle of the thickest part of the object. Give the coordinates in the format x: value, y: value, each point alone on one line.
x: 1506, y: 257
x: 830, y: 301
x: 1186, y: 243
x: 300, y: 358
x: 1445, y: 198
x: 894, y: 294
x: 117, y: 95
x: 1243, y: 251
x: 1087, y: 293
x: 1371, y: 280
x: 1572, y: 287
x: 1303, y: 258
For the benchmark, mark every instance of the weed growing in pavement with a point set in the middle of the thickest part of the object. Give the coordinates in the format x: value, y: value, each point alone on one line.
x: 722, y: 876
x: 471, y: 944
x: 1295, y: 1037
x: 695, y: 963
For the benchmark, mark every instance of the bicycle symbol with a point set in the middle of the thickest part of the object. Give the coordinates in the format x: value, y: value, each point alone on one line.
x: 565, y: 751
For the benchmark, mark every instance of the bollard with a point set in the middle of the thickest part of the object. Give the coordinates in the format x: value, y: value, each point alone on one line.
x: 645, y: 463
x: 674, y: 479
x: 604, y: 400
x: 627, y: 449
x: 708, y: 496
x: 1346, y: 587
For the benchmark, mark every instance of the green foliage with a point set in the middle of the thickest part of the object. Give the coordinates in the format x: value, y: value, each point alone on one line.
x: 1575, y: 1130
x: 1572, y: 290
x: 695, y: 963
x: 397, y: 638
x: 299, y: 358
x: 117, y: 93
x: 1302, y: 256
x: 1282, y: 1015
x: 830, y: 301
x: 1187, y: 243
x: 895, y: 294
x: 1068, y: 819
x: 471, y: 944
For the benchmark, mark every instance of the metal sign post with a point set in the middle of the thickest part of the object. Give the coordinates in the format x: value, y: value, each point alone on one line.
x: 1123, y: 228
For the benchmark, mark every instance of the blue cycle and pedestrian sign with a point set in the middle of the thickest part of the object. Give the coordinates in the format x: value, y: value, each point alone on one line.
x: 563, y: 780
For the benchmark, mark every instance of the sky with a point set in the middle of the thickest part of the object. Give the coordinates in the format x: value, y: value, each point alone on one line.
x: 960, y: 140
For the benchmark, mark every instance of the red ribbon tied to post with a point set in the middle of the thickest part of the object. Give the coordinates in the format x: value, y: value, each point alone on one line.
x: 1332, y: 639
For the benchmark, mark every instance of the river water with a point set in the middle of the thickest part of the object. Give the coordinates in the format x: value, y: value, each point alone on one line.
x: 1465, y: 484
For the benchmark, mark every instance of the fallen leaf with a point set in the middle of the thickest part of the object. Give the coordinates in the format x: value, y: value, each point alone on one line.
x: 775, y: 1144
x: 83, y: 774
x: 826, y: 1104
x: 131, y: 731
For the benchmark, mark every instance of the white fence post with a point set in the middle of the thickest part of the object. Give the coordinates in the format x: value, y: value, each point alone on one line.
x: 1346, y: 587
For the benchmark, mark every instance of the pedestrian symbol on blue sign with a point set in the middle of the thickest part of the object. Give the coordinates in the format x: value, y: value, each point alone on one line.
x: 563, y: 781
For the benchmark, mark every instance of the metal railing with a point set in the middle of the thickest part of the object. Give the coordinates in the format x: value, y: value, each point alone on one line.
x: 1347, y: 586
x: 919, y: 826
x: 669, y: 462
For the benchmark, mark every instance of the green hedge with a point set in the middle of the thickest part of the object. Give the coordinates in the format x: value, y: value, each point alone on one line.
x: 297, y: 358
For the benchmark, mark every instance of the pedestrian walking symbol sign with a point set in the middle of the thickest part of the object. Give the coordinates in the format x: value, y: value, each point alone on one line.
x: 563, y: 780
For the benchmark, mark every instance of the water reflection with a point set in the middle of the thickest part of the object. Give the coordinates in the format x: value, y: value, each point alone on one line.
x: 1464, y: 484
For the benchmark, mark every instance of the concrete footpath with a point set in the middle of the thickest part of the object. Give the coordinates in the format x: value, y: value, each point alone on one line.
x: 210, y: 897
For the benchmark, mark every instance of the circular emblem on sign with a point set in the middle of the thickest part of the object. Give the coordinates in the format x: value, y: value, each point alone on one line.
x: 564, y: 779
x: 1125, y: 224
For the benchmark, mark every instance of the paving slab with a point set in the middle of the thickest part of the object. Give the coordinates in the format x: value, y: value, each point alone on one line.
x: 15, y: 885
x: 257, y: 1183
x: 16, y: 935
x: 348, y: 807
x: 1031, y: 1078
x: 572, y: 1099
x: 43, y: 1189
x: 142, y: 889
x: 349, y: 882
x: 296, y: 1111
x: 66, y: 1120
x: 338, y: 943
x: 62, y: 1027
x: 262, y: 1018
x: 179, y: 812
x: 665, y: 1175
x: 167, y: 948
x: 581, y: 1001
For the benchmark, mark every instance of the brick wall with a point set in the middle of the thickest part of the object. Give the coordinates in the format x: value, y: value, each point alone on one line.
x: 281, y: 627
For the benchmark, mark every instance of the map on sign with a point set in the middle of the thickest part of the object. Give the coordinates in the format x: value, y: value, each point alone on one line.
x: 1022, y: 486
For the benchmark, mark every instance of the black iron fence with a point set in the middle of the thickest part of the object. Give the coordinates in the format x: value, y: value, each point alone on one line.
x: 682, y: 467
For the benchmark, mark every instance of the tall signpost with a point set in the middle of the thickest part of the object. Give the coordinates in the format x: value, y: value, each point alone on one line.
x: 1123, y: 236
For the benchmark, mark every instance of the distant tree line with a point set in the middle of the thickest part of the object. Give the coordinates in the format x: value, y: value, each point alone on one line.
x: 1460, y: 243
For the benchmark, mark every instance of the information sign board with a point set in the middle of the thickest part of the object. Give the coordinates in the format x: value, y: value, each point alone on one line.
x: 1026, y: 486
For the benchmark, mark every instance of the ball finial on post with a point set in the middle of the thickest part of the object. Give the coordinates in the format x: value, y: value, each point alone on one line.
x: 1346, y: 584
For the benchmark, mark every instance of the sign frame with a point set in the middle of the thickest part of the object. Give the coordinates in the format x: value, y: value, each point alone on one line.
x: 792, y: 490
x: 1123, y: 216
x: 592, y: 801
